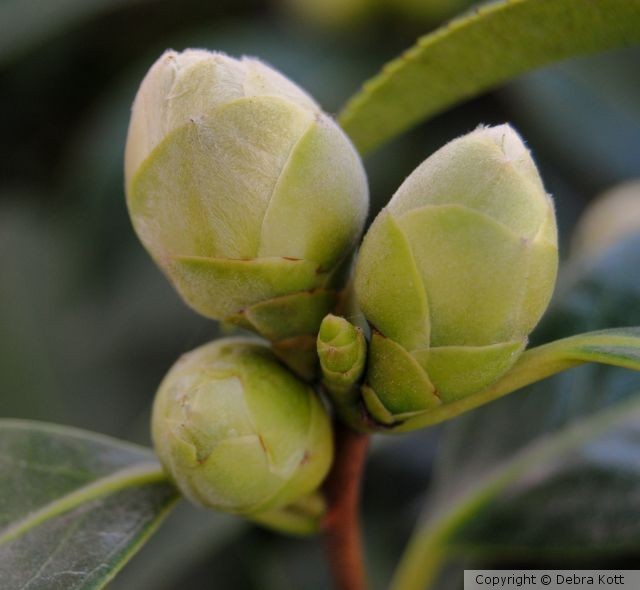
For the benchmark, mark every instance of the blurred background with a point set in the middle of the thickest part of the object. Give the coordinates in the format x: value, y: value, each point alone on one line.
x: 88, y: 326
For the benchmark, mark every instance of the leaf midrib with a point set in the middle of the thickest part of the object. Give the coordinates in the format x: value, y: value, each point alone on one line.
x: 140, y: 474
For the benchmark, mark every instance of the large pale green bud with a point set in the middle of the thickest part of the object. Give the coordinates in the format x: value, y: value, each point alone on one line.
x: 243, y: 191
x: 454, y: 273
x: 239, y: 432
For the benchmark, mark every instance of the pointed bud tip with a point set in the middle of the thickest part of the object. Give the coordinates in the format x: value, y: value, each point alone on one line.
x: 341, y: 346
x: 336, y: 331
x: 507, y: 139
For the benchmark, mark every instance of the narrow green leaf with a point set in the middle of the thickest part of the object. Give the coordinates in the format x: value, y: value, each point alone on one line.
x: 74, y: 506
x: 586, y: 445
x: 618, y: 347
x: 479, y: 51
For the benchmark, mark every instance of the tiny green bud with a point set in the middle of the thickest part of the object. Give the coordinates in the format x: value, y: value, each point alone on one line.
x: 238, y: 432
x: 341, y: 346
x: 454, y: 274
x: 242, y: 190
x: 342, y: 350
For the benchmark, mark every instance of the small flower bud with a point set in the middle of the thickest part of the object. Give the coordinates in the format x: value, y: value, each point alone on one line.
x: 342, y: 350
x: 242, y: 190
x: 238, y: 432
x: 454, y: 273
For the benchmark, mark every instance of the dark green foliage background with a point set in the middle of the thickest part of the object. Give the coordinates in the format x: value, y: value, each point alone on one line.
x: 88, y: 326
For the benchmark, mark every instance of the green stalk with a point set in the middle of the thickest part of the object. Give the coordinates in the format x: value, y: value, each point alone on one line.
x: 618, y: 347
x: 426, y: 551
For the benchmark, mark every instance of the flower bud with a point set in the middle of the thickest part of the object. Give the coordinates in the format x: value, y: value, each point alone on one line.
x: 243, y: 191
x: 342, y: 351
x: 454, y: 273
x: 238, y: 432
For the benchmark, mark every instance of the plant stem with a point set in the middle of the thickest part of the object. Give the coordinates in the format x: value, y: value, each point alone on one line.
x: 341, y: 525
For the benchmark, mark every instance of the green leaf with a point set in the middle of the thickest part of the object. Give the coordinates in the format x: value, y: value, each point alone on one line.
x: 538, y: 498
x: 479, y: 51
x: 618, y: 347
x: 74, y: 506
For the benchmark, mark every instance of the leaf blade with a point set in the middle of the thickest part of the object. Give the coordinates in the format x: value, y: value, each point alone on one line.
x: 74, y: 506
x: 428, y: 545
x: 145, y: 473
x: 446, y: 66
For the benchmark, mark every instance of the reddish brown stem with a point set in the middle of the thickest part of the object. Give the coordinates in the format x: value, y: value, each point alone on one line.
x: 342, y: 523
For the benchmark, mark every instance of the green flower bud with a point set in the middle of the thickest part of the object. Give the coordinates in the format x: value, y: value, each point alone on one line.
x: 454, y: 273
x: 342, y: 351
x: 238, y: 432
x: 243, y: 191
